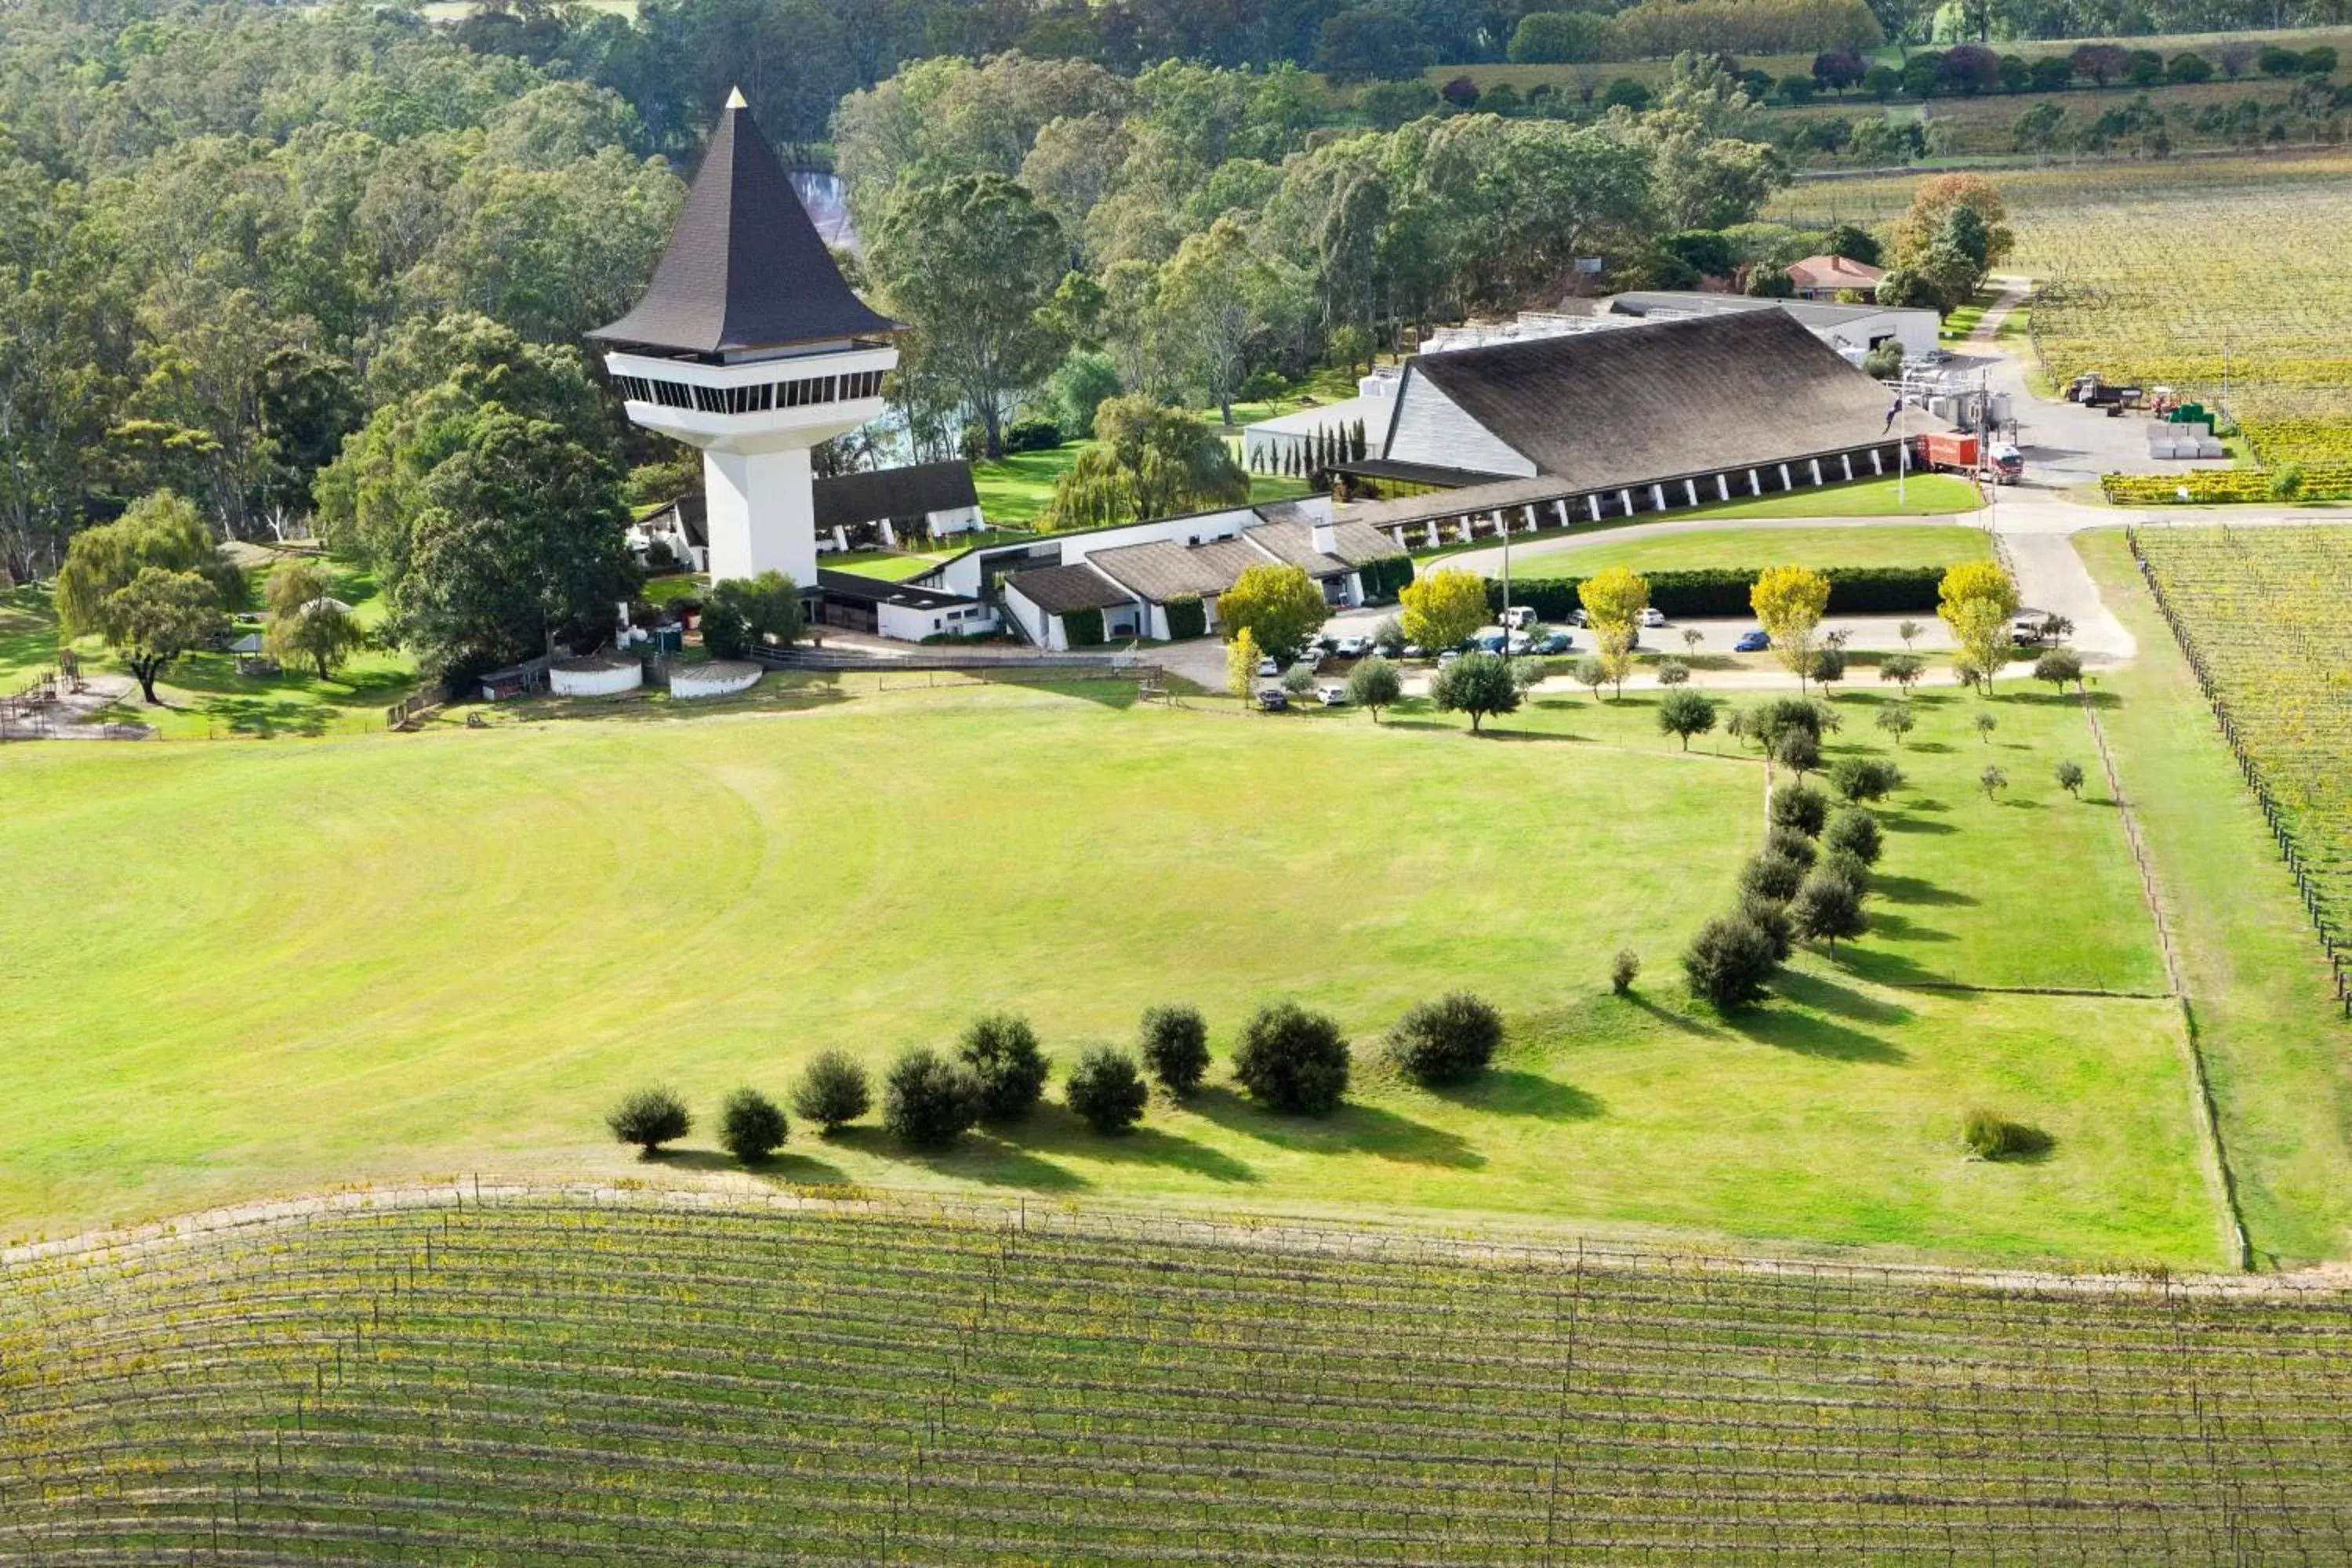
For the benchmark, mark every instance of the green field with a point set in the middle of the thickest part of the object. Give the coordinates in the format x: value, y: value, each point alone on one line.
x: 273, y: 968
x: 1014, y: 489
x: 1892, y: 544
x: 529, y: 1381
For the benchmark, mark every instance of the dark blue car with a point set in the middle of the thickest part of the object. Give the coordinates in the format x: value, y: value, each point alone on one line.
x: 1751, y: 642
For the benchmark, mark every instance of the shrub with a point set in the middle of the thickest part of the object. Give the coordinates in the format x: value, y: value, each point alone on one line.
x: 1800, y: 806
x: 1478, y: 684
x: 2061, y: 667
x: 1793, y: 844
x: 1854, y: 832
x: 741, y: 613
x: 1859, y: 779
x: 1106, y: 1089
x: 1622, y: 968
x: 1728, y: 962
x: 1175, y: 1046
x: 928, y: 1100
x: 1771, y: 876
x: 1985, y: 724
x: 1292, y: 1060
x: 1031, y: 435
x: 1001, y: 1048
x: 1896, y: 719
x: 1846, y: 866
x: 649, y: 1119
x: 1449, y: 1040
x: 1827, y: 908
x: 1770, y: 916
x: 1798, y: 751
x: 750, y: 1128
x: 1990, y: 1136
x: 1374, y: 685
x: 1683, y: 713
x: 2070, y: 777
x: 1992, y: 781
x: 1673, y: 672
x: 831, y: 1091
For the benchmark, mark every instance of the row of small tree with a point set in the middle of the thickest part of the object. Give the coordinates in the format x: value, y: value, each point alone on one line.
x: 1289, y: 1058
x: 1811, y: 877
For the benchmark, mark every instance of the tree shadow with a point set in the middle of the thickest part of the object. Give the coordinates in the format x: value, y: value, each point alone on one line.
x: 1900, y: 929
x: 1828, y: 996
x: 1509, y: 1091
x: 1813, y: 1037
x: 1057, y: 1129
x: 977, y: 1157
x: 1937, y: 747
x: 1103, y: 694
x: 1913, y: 891
x: 1357, y: 1128
x: 785, y: 1167
x: 1903, y: 822
x: 1883, y: 967
x: 1668, y: 1015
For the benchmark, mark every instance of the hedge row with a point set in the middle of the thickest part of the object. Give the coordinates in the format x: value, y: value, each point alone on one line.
x: 1723, y: 591
x: 1186, y: 618
x: 1083, y: 628
x: 2318, y: 481
x: 1383, y: 578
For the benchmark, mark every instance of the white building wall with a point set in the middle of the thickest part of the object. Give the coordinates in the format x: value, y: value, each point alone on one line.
x: 956, y: 520
x: 1433, y: 428
x: 909, y: 624
x: 1045, y: 630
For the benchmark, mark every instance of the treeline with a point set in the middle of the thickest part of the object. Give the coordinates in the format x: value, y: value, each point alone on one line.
x: 219, y: 215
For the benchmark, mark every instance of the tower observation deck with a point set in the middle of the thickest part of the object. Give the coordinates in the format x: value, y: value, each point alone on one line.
x: 750, y: 345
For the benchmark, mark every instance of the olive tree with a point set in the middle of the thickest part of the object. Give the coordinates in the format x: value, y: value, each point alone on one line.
x: 928, y: 1100
x: 1682, y: 713
x: 1175, y: 1046
x: 1106, y: 1089
x: 1449, y: 1040
x: 1478, y: 684
x: 1728, y: 962
x: 1374, y: 685
x: 833, y: 1091
x: 1293, y: 1061
x: 1001, y: 1050
x: 750, y: 1128
x: 650, y: 1117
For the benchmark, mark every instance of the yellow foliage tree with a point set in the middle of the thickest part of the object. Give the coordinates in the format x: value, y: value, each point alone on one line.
x: 1278, y: 605
x: 1977, y: 599
x: 1443, y: 608
x: 1789, y: 602
x: 1613, y: 600
x: 1241, y: 663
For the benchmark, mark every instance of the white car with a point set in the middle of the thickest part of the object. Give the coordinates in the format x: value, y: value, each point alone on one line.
x: 1449, y: 655
x: 1267, y: 668
x: 1353, y: 648
x: 1654, y: 618
x: 1331, y: 696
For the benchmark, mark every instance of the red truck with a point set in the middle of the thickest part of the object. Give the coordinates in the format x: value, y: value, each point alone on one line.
x: 1952, y: 451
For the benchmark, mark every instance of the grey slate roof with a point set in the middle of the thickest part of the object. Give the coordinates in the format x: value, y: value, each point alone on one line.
x: 1658, y: 401
x: 1161, y: 570
x: 1058, y: 590
x: 744, y: 268
x: 911, y: 492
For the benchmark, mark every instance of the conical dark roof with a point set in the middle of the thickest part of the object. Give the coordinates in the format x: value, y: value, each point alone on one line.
x: 745, y: 269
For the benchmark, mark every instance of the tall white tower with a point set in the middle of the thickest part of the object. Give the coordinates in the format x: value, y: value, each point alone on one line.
x: 750, y: 345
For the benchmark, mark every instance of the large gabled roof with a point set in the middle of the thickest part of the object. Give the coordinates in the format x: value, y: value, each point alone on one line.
x: 745, y: 269
x: 1602, y: 410
x: 911, y: 491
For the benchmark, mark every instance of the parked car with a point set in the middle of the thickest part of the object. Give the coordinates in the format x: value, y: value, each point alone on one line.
x: 1332, y: 694
x: 2025, y: 631
x: 1751, y: 642
x: 1449, y: 655
x: 1412, y: 650
x: 1353, y: 648
x: 1576, y: 618
x: 1488, y: 641
x: 1273, y: 700
x: 1651, y: 618
x: 1519, y: 617
x: 1553, y: 642
x: 1520, y: 643
x: 1267, y: 668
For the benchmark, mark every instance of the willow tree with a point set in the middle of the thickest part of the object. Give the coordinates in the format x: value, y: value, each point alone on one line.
x: 1147, y: 461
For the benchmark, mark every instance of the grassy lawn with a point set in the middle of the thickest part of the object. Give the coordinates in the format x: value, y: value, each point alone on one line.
x: 1896, y: 545
x: 28, y: 636
x: 1015, y: 487
x: 890, y: 565
x: 2278, y: 1052
x: 1919, y: 495
x: 272, y: 968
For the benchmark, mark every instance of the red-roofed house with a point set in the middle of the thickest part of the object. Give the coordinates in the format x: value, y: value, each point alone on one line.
x: 1824, y: 277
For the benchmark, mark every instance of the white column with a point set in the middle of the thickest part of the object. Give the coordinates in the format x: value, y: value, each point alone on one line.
x: 1722, y: 488
x: 1817, y: 470
x: 889, y: 535
x: 1396, y: 537
x: 761, y: 514
x: 1430, y: 528
x: 1847, y: 458
x: 1625, y: 498
x: 1531, y: 520
x: 1877, y: 466
x: 1755, y: 483
x: 1690, y: 492
x: 1560, y: 509
x: 1593, y: 503
x: 1463, y: 524
x: 1657, y: 496
x: 1786, y: 482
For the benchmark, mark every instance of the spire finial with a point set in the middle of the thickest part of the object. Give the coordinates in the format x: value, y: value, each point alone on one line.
x: 735, y: 99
